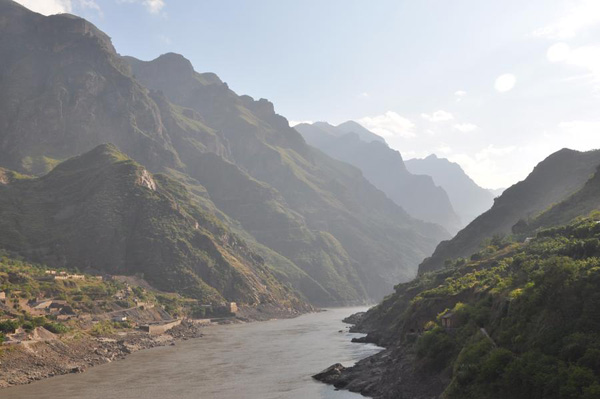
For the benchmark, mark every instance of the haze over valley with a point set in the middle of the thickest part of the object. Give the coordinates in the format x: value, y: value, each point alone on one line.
x: 444, y: 204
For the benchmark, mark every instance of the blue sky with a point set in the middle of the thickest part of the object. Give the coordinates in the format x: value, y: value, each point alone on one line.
x: 493, y: 85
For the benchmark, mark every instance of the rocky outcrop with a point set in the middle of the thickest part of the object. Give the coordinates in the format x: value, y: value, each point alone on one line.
x: 390, y: 374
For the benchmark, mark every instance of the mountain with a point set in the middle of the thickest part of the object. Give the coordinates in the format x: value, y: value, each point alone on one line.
x: 65, y: 90
x: 363, y: 133
x: 580, y: 204
x: 323, y: 132
x: 496, y: 192
x: 333, y: 209
x: 519, y: 321
x: 467, y: 198
x: 104, y: 212
x: 552, y: 181
x: 385, y: 168
x: 318, y: 224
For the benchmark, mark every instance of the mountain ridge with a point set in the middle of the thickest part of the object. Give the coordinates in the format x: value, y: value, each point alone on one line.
x: 468, y: 199
x: 385, y: 168
x: 103, y: 212
x: 312, y: 217
x: 551, y: 181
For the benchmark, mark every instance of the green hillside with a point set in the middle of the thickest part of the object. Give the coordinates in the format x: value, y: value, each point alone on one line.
x: 552, y: 181
x: 102, y: 211
x: 582, y: 202
x: 317, y: 222
x: 524, y: 320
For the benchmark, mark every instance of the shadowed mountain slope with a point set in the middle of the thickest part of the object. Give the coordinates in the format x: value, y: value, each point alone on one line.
x: 102, y: 211
x: 580, y: 204
x: 467, y: 198
x: 319, y: 224
x: 322, y: 198
x: 553, y: 180
x: 519, y: 321
x: 385, y: 168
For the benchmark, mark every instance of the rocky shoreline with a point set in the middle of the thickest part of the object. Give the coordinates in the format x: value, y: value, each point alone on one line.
x: 29, y: 362
x: 390, y: 374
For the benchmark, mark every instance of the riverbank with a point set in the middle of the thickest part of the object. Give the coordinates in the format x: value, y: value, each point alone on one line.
x: 271, y: 359
x: 390, y: 374
x: 33, y: 361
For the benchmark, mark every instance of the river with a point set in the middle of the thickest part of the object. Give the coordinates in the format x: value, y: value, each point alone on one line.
x: 263, y: 360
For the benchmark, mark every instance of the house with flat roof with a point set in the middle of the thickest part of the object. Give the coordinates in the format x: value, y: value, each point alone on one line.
x: 449, y: 320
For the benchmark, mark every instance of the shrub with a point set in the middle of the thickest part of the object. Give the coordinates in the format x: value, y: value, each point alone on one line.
x: 8, y: 326
x: 56, y: 328
x: 28, y: 325
x: 436, y: 349
x: 105, y: 327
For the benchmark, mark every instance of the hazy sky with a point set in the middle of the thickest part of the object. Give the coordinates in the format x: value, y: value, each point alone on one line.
x: 493, y: 85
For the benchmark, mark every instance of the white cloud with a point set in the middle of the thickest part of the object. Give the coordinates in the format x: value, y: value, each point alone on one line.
x: 88, y: 4
x: 438, y: 116
x: 364, y: 95
x: 585, y: 57
x: 505, y: 82
x: 294, y: 123
x: 578, y: 135
x: 487, y: 165
x: 164, y: 39
x: 47, y: 7
x: 153, y: 6
x: 584, y: 15
x: 389, y: 125
x: 459, y: 95
x: 51, y: 7
x: 465, y: 127
x: 444, y: 149
x: 558, y: 52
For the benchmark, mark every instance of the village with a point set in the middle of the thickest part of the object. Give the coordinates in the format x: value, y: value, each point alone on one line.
x: 44, y: 306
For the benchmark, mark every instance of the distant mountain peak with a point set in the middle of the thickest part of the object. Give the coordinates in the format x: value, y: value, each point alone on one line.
x: 173, y: 67
x: 322, y: 125
x: 17, y: 19
x: 175, y: 61
x: 351, y: 125
x: 384, y: 168
x: 342, y: 129
x: 239, y: 168
x: 468, y: 199
x: 364, y: 133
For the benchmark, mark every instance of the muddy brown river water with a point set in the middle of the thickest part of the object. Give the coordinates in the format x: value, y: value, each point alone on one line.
x: 267, y: 360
